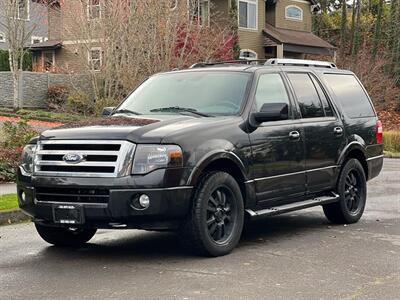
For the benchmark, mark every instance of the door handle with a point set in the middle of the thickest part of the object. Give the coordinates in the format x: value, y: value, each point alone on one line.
x: 294, y: 135
x: 338, y: 130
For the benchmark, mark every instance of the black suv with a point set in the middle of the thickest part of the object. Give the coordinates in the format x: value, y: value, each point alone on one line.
x: 198, y: 150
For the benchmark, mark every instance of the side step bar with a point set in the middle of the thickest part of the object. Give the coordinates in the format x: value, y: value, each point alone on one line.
x: 277, y: 210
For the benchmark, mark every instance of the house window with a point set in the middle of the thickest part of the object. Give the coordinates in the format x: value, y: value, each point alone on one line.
x: 2, y: 37
x: 293, y: 12
x: 247, y: 54
x: 94, y: 9
x: 36, y: 39
x: 95, y: 59
x: 248, y: 14
x: 23, y: 9
x: 199, y: 11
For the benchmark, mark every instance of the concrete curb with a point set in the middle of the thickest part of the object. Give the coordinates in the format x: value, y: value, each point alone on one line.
x: 13, y: 216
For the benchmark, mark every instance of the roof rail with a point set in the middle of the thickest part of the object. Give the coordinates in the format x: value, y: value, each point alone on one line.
x: 300, y: 62
x: 228, y: 62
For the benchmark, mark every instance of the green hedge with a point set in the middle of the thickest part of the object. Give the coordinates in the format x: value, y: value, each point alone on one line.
x: 391, y: 141
x: 5, y: 65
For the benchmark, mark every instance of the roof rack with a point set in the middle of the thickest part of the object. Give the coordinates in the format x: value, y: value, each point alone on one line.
x: 228, y: 62
x: 299, y: 62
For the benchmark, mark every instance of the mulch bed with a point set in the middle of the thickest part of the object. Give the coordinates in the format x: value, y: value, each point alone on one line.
x: 34, y: 123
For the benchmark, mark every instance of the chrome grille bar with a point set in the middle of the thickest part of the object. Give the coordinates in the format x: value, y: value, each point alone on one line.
x: 98, y: 158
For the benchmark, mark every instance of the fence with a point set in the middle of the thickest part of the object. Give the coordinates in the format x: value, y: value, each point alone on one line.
x: 33, y: 87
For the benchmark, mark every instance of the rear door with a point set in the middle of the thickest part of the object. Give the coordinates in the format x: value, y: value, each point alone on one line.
x: 323, y: 130
x: 277, y: 146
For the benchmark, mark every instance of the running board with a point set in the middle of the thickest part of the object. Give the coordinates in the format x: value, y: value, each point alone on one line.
x: 277, y: 210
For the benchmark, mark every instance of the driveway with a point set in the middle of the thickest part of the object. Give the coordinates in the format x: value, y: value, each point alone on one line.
x: 294, y: 256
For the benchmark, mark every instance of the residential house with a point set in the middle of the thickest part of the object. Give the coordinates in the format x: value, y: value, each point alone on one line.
x: 266, y: 28
x: 35, y: 17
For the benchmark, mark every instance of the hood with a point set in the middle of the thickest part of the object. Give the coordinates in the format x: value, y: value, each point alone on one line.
x: 137, y: 129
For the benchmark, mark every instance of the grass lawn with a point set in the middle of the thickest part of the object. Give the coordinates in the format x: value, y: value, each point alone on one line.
x: 8, y: 202
x: 391, y: 142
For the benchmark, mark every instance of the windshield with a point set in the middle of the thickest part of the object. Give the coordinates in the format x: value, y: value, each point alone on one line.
x: 204, y: 92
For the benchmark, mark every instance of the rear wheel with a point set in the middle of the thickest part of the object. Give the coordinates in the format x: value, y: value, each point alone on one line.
x: 72, y: 237
x: 215, y: 223
x: 352, y: 189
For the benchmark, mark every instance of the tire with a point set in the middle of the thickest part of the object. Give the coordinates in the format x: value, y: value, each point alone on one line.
x: 352, y: 189
x: 215, y: 222
x: 64, y: 236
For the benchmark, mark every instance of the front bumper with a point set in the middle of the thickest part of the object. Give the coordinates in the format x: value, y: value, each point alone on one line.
x: 168, y: 205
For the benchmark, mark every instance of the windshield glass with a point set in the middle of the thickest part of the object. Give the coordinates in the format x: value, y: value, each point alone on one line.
x: 204, y: 92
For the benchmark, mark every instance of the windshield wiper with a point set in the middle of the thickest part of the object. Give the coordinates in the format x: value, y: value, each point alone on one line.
x: 125, y: 111
x: 178, y: 109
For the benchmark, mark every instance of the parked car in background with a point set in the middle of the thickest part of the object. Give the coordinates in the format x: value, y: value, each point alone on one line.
x: 198, y: 150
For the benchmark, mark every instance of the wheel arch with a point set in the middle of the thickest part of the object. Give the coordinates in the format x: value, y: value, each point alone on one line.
x: 221, y: 161
x: 357, y: 151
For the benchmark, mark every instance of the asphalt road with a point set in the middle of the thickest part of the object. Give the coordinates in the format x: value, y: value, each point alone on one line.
x: 295, y: 256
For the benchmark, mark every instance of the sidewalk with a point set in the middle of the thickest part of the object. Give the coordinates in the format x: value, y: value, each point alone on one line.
x: 8, y: 188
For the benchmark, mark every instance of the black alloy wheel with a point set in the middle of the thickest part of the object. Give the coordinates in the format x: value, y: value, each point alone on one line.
x: 221, y: 214
x: 215, y: 222
x: 352, y: 190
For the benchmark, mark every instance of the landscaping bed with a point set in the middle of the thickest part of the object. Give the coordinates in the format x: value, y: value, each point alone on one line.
x: 9, y: 210
x: 40, y: 115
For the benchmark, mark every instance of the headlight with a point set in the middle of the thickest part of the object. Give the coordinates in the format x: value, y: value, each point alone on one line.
x: 28, y: 155
x: 151, y: 157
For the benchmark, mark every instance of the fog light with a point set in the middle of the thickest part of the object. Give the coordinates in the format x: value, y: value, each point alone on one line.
x: 23, y: 197
x: 144, y: 201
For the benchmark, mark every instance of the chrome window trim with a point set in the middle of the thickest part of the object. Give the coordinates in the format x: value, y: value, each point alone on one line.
x: 375, y: 157
x: 290, y: 174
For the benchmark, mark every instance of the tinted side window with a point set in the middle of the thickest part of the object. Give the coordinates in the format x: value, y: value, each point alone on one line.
x: 307, y: 96
x: 350, y: 94
x: 327, y: 107
x: 270, y: 89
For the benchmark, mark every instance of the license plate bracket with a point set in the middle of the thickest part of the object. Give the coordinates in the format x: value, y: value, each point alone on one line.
x: 68, y: 214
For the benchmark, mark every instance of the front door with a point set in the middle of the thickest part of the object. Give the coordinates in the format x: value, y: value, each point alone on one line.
x: 323, y: 130
x: 277, y: 146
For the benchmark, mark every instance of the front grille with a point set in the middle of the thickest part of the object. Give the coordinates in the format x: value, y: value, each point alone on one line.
x: 72, y: 195
x: 93, y: 158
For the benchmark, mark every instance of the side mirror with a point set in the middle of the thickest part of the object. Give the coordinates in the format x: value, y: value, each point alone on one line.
x: 107, y: 111
x: 271, y: 112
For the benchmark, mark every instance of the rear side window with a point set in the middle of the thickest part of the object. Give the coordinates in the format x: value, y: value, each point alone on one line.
x: 327, y: 107
x: 351, y: 95
x: 307, y: 96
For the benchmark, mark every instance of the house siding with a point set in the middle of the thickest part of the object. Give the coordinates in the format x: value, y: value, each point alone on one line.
x: 56, y: 24
x: 37, y: 23
x: 254, y: 39
x: 67, y: 59
x: 282, y: 22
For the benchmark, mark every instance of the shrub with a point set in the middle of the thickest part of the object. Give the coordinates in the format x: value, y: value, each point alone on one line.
x: 17, y: 135
x: 80, y: 102
x: 104, y: 102
x: 57, y: 97
x: 14, y: 138
x: 9, y: 160
x: 391, y: 141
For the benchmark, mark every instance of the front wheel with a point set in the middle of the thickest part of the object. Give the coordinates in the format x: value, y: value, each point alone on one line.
x: 352, y: 189
x: 71, y: 237
x: 215, y: 223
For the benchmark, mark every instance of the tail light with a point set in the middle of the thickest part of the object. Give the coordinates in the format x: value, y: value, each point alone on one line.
x: 379, y: 132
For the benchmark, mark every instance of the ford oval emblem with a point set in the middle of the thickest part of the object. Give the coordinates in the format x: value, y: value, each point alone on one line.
x: 73, y: 158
